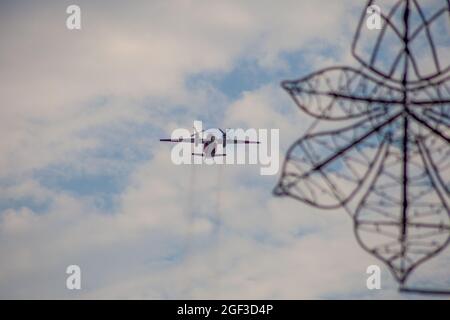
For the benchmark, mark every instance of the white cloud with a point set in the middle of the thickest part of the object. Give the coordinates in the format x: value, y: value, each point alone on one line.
x: 163, y: 240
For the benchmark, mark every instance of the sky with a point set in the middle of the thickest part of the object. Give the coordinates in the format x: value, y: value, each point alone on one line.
x: 84, y: 179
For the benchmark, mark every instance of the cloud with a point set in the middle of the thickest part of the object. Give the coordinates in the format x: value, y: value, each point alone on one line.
x: 52, y: 77
x: 93, y: 103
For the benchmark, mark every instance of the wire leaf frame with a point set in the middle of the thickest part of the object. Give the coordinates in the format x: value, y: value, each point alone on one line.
x: 386, y: 160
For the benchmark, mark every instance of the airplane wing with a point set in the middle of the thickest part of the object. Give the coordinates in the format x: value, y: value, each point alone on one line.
x: 236, y: 141
x: 186, y: 140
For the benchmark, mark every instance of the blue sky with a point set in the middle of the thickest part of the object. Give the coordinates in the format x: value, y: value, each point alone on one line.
x: 84, y: 179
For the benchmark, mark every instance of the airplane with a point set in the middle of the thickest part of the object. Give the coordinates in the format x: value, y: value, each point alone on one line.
x: 210, y: 143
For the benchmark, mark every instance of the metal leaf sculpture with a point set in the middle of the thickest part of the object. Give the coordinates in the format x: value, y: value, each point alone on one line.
x: 386, y: 159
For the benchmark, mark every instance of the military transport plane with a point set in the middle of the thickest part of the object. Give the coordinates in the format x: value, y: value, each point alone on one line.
x: 210, y: 143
